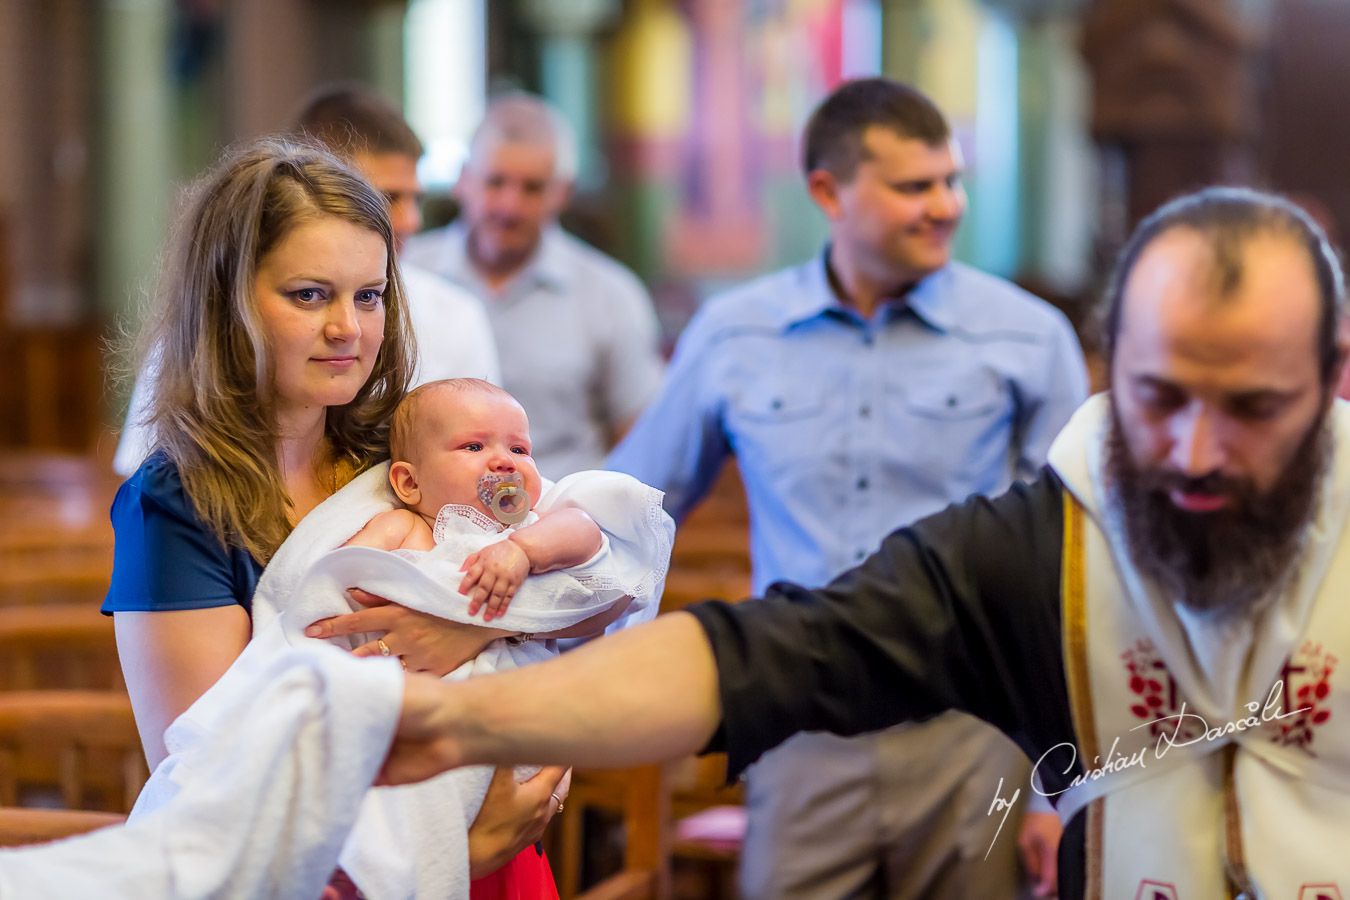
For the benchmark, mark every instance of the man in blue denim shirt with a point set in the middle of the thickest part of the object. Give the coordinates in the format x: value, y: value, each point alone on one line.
x: 858, y: 392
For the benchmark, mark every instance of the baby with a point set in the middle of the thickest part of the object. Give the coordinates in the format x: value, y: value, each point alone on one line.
x: 462, y: 471
x: 460, y: 448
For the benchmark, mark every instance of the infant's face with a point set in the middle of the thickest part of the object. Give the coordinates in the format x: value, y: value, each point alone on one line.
x: 463, y: 436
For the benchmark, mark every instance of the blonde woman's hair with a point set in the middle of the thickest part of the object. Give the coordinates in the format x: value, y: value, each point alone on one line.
x: 214, y: 413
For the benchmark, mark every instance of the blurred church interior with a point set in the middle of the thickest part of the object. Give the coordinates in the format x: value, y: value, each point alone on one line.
x: 1076, y: 117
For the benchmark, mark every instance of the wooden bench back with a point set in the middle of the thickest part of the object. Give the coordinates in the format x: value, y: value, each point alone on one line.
x: 81, y: 746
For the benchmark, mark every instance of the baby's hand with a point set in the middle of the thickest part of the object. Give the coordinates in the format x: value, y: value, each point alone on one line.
x: 492, y: 576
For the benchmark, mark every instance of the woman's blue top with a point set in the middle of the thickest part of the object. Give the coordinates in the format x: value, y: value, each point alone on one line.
x: 165, y: 557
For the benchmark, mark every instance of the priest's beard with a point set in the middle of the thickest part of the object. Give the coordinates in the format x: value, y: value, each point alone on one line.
x: 1225, y: 561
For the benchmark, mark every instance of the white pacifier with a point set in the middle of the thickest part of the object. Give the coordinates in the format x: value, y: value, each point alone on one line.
x: 504, y: 496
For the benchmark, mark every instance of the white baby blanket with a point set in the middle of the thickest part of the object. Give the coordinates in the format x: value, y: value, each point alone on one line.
x: 412, y: 841
x: 638, y: 537
x: 269, y: 802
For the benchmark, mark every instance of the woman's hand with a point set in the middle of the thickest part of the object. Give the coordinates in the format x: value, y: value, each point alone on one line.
x: 424, y: 643
x: 513, y: 816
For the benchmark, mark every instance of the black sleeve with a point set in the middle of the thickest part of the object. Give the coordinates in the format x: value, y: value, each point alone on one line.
x: 959, y: 611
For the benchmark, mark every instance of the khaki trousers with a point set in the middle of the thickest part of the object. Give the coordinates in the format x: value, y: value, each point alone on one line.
x: 898, y: 814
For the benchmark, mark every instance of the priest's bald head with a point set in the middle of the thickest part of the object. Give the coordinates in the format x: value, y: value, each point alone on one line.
x: 1224, y: 347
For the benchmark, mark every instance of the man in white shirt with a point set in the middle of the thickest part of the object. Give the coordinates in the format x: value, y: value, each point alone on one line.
x: 454, y: 338
x: 576, y: 331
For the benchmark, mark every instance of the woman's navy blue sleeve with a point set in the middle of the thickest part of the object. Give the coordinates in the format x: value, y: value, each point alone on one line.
x: 165, y: 557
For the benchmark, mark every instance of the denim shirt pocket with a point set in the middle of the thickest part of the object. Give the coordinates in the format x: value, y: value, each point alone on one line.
x: 779, y: 424
x: 958, y: 427
x: 779, y: 404
x: 954, y: 396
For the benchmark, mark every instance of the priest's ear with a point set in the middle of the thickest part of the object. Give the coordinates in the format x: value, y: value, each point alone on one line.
x: 403, y: 479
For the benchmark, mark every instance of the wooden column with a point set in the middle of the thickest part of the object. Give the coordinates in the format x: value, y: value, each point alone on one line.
x: 1175, y: 102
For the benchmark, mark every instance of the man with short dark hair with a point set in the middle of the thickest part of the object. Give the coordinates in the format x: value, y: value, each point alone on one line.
x: 858, y: 392
x: 1179, y: 689
x: 576, y: 331
x: 362, y: 126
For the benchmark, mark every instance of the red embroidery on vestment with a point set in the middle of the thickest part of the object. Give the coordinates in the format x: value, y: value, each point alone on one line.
x: 1155, y: 890
x: 1156, y: 694
x: 1307, y: 687
x: 1327, y: 891
x: 1306, y: 680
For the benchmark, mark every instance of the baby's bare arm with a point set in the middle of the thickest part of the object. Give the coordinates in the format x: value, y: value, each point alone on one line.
x: 595, y: 624
x: 395, y: 529
x: 559, y: 540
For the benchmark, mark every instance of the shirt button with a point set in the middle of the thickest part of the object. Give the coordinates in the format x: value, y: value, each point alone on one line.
x: 859, y: 554
x: 862, y: 484
x: 865, y: 411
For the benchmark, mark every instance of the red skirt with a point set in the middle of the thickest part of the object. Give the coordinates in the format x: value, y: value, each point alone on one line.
x: 526, y: 877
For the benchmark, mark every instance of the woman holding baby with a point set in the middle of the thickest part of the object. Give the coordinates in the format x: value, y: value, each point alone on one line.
x: 283, y: 344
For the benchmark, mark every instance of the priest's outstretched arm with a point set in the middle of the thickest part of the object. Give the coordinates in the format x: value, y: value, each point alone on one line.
x: 632, y: 718
x: 959, y: 611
